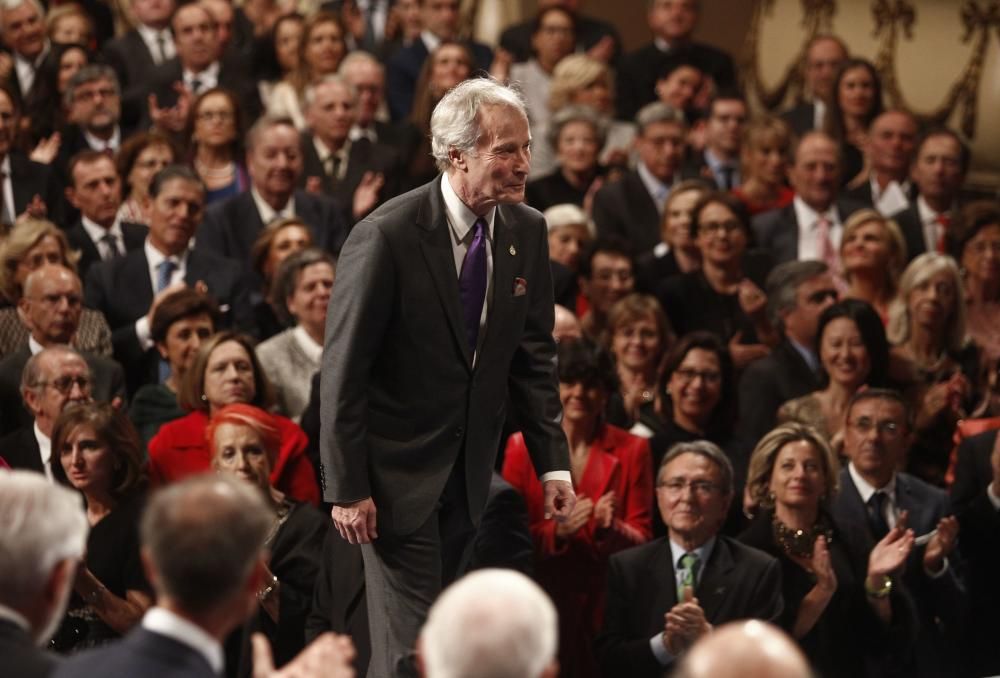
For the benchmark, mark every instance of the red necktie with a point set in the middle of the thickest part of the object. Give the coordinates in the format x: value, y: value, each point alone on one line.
x: 943, y: 221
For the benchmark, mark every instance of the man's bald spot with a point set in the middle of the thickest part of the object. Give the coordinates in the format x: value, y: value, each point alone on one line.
x: 746, y: 649
x: 47, y: 272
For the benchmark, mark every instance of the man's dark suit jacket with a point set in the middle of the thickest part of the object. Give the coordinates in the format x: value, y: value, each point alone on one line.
x: 737, y: 582
x: 108, y: 381
x: 122, y: 290
x: 639, y: 71
x: 589, y: 31
x: 28, y: 179
x: 403, y: 70
x: 129, y: 56
x: 940, y: 603
x: 973, y: 471
x: 133, y: 235
x: 402, y: 398
x: 139, y: 653
x: 913, y: 230
x: 777, y: 231
x: 801, y: 117
x: 862, y: 193
x: 20, y: 450
x: 21, y: 657
x: 233, y: 76
x: 231, y: 226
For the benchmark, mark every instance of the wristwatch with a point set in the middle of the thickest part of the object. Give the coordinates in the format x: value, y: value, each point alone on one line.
x: 265, y: 592
x: 880, y: 592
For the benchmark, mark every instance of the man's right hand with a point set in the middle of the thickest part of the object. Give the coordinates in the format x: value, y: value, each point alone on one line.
x: 355, y: 521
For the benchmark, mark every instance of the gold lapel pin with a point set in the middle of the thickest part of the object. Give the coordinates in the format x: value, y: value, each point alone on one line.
x: 512, y: 251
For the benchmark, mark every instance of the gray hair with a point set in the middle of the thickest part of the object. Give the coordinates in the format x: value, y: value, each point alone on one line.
x: 490, y: 624
x: 455, y: 120
x: 203, y: 536
x: 783, y: 285
x: 287, y: 277
x: 650, y: 114
x: 703, y: 448
x: 87, y: 74
x: 919, y: 271
x: 359, y: 56
x: 264, y: 123
x: 10, y: 5
x: 31, y: 375
x: 41, y: 525
x: 568, y: 214
x: 573, y: 113
x: 309, y: 96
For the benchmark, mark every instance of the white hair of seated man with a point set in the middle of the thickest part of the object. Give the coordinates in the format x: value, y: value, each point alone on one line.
x: 492, y: 623
x: 745, y: 649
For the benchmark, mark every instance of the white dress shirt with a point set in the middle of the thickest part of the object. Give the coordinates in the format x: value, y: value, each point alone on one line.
x: 932, y: 230
x: 676, y: 552
x: 154, y: 258
x: 324, y: 153
x: 8, y: 215
x: 99, y: 144
x: 892, y: 199
x: 657, y: 190
x: 207, y: 79
x: 809, y: 246
x: 149, y: 36
x: 97, y: 233
x: 165, y: 623
x: 268, y: 213
x: 308, y: 345
x: 44, y: 450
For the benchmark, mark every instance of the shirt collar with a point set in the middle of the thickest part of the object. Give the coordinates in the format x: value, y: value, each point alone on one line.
x: 808, y: 217
x: 96, y: 231
x: 312, y: 350
x: 715, y: 162
x: 927, y: 214
x: 357, y: 132
x: 431, y: 41
x: 877, y: 191
x: 5, y: 166
x: 101, y: 144
x: 656, y: 188
x: 44, y: 449
x: 166, y: 623
x: 460, y: 217
x: 155, y: 257
x: 866, y: 490
x: 703, y: 552
x: 210, y: 74
x: 268, y: 213
x: 34, y: 346
x: 807, y: 354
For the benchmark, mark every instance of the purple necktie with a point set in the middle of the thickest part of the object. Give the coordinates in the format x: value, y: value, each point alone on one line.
x: 472, y: 282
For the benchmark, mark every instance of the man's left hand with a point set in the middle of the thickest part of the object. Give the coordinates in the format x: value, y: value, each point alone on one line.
x: 559, y: 499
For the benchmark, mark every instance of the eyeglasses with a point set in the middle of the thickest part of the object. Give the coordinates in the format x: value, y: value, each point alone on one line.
x: 707, y: 376
x: 699, y: 487
x: 72, y: 300
x: 91, y: 94
x: 727, y: 227
x: 65, y: 384
x: 208, y: 116
x: 888, y: 429
x: 984, y: 246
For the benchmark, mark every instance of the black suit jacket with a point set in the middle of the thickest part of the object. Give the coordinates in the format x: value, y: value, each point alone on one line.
x: 801, y: 117
x: 402, y: 398
x: 625, y: 209
x: 20, y: 450
x: 133, y: 235
x: 737, y: 582
x: 122, y: 290
x: 108, y: 381
x: 777, y: 231
x: 231, y: 226
x: 21, y: 657
x: 973, y: 471
x: 233, y: 76
x: 913, y: 230
x: 134, y: 65
x: 28, y: 179
x: 862, y: 193
x: 139, y: 653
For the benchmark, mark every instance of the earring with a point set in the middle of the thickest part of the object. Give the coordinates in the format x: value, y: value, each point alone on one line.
x: 204, y: 398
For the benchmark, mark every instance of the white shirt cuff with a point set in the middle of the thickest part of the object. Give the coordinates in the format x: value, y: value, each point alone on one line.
x: 557, y: 475
x: 995, y: 500
x: 939, y: 573
x: 660, y: 651
x: 142, y: 333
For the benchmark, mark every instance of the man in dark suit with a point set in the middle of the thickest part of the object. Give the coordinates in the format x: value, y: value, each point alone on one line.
x: 973, y: 469
x: 424, y: 463
x: 824, y: 56
x: 200, y: 599
x: 43, y: 535
x: 632, y: 207
x: 672, y: 23
x: 30, y: 184
x: 94, y: 101
x: 892, y: 140
x: 440, y: 20
x: 719, y: 162
x: 359, y: 174
x: 811, y: 227
x: 23, y: 30
x: 664, y: 595
x: 874, y: 498
x: 597, y: 38
x: 938, y: 172
x: 50, y: 309
x: 96, y: 191
x: 274, y: 162
x: 128, y: 289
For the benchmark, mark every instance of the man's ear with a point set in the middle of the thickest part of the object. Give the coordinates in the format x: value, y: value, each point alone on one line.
x: 71, y: 196
x: 457, y: 158
x: 22, y: 312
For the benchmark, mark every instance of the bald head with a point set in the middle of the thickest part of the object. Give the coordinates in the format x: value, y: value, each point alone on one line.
x: 748, y: 649
x: 51, y: 305
x: 892, y: 141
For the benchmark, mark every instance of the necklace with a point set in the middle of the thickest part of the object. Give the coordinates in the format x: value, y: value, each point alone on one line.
x: 799, y: 543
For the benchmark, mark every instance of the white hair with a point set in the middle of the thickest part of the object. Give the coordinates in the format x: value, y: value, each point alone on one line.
x: 567, y: 214
x: 10, y: 5
x: 309, y: 96
x: 359, y: 57
x: 490, y: 624
x: 41, y: 525
x: 455, y: 120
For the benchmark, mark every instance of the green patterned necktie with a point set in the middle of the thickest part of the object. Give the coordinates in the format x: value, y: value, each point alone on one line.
x: 689, y: 564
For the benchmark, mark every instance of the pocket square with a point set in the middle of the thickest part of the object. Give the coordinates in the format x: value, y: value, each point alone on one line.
x: 520, y: 287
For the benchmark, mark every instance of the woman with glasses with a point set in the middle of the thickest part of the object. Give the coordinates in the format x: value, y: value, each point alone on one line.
x: 614, y: 486
x: 216, y: 144
x: 140, y: 157
x: 840, y: 616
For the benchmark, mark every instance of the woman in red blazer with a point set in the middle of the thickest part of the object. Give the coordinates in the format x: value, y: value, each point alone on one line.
x: 612, y: 476
x: 226, y: 371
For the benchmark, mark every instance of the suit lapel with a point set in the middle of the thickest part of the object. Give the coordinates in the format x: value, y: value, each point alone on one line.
x: 663, y: 583
x: 505, y: 253
x: 602, y: 470
x: 715, y: 580
x: 135, y: 274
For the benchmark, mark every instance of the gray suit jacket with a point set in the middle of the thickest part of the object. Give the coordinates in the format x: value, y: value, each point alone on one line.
x: 290, y: 370
x: 401, y: 397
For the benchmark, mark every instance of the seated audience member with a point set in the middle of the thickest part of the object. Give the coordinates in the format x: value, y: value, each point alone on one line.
x: 358, y: 174
x: 724, y: 295
x: 274, y: 161
x: 290, y: 359
x: 141, y: 156
x: 45, y: 112
x: 98, y: 453
x: 93, y: 103
x: 725, y: 122
x: 566, y: 326
x: 440, y: 20
x: 70, y: 24
x: 840, y: 606
x: 205, y: 548
x: 875, y: 497
x: 95, y: 190
x: 891, y: 144
x: 570, y: 233
x: 639, y: 339
x: 597, y: 38
x: 677, y: 251
x: 24, y: 36
x: 613, y: 476
x: 279, y: 239
x: 244, y: 441
x: 824, y: 55
x: 855, y: 101
x: 872, y: 256
x: 665, y: 595
x: 764, y: 155
x: 632, y: 207
x: 215, y: 130
x: 490, y: 623
x: 576, y: 135
x: 226, y: 371
x: 975, y: 244
x: 52, y: 379
x: 50, y: 309
x: 33, y: 244
x: 43, y: 538
x: 180, y: 323
x: 34, y: 187
x: 276, y: 54
x: 853, y: 354
x: 940, y: 165
x: 128, y: 289
x: 932, y: 361
x: 605, y: 275
x: 366, y: 75
x: 681, y: 82
x: 811, y: 226
x: 672, y: 24
x: 321, y: 50
x: 797, y: 294
x: 748, y: 649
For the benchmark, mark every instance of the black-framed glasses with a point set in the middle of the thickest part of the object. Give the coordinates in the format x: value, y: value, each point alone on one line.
x: 699, y: 487
x: 65, y: 384
x: 888, y: 429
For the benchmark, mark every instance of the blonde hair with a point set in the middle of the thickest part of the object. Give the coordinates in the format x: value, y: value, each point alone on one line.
x: 763, y: 130
x: 917, y: 273
x: 764, y: 455
x: 574, y: 73
x: 896, y: 241
x: 25, y: 235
